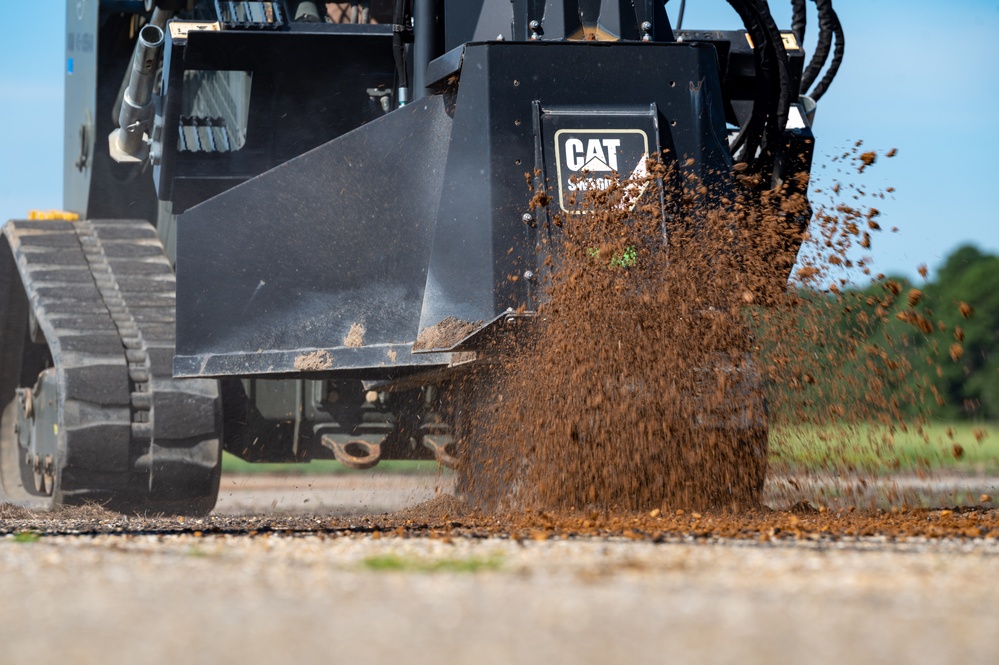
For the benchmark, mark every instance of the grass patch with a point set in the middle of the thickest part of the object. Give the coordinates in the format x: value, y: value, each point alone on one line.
x: 394, y: 563
x: 957, y: 447
x: 232, y: 464
x: 27, y: 537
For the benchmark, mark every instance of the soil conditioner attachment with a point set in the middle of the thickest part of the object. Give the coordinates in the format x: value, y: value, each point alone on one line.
x: 292, y: 225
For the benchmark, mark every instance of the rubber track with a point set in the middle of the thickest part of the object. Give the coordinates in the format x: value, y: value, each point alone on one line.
x: 103, y: 293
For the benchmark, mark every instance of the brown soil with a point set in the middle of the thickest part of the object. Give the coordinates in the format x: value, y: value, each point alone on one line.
x: 449, y: 517
x: 637, y: 388
x: 355, y: 336
x: 654, y: 367
x: 445, y: 334
x: 443, y: 508
x: 313, y: 362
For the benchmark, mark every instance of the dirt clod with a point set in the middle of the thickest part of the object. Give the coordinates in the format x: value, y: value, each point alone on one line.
x: 355, y: 336
x: 445, y: 334
x: 314, y: 361
x: 867, y: 159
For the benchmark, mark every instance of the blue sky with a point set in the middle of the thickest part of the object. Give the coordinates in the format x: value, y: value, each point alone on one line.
x: 919, y: 76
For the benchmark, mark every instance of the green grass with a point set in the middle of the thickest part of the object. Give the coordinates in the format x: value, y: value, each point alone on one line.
x: 941, y: 446
x: 232, y: 464
x: 27, y: 537
x: 394, y: 563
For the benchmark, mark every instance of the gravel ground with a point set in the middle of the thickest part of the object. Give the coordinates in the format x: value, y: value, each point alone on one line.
x: 431, y: 584
x: 169, y: 599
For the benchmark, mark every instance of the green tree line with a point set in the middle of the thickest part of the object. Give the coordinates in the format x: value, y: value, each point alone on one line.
x: 962, y: 301
x: 929, y: 347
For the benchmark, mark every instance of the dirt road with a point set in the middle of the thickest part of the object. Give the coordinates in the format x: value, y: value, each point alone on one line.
x: 429, y: 585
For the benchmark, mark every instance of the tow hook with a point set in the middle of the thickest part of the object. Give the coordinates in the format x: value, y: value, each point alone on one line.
x: 370, y: 453
x: 438, y: 444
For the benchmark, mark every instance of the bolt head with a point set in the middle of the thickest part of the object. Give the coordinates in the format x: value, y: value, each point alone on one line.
x: 535, y: 24
x: 647, y: 26
x: 529, y: 275
x: 527, y: 217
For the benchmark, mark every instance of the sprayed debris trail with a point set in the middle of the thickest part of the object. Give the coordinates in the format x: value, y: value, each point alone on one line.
x: 636, y: 388
x: 671, y: 351
x: 446, y: 517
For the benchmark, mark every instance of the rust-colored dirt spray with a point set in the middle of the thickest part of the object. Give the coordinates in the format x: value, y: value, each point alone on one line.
x: 670, y: 342
x: 637, y: 387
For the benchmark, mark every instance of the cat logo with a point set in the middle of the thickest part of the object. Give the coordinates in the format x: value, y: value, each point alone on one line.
x: 590, y: 159
x: 599, y: 154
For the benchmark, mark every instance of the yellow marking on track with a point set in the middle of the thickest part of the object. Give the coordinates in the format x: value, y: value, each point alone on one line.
x: 53, y: 214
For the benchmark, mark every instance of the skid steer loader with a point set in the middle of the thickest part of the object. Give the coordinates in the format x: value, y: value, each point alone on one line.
x: 289, y: 223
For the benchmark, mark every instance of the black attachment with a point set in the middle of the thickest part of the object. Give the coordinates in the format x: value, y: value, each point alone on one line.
x: 274, y: 274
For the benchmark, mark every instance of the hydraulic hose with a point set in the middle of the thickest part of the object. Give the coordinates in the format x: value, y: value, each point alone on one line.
x: 823, y: 85
x: 799, y: 20
x: 751, y: 133
x: 763, y: 131
x: 827, y: 26
x: 780, y: 104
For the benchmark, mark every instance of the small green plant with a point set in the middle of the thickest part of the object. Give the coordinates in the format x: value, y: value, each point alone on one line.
x: 27, y: 537
x: 395, y: 563
x: 626, y: 259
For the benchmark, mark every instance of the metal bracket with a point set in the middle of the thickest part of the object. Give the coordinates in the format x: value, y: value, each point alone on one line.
x: 438, y: 444
x: 370, y: 456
